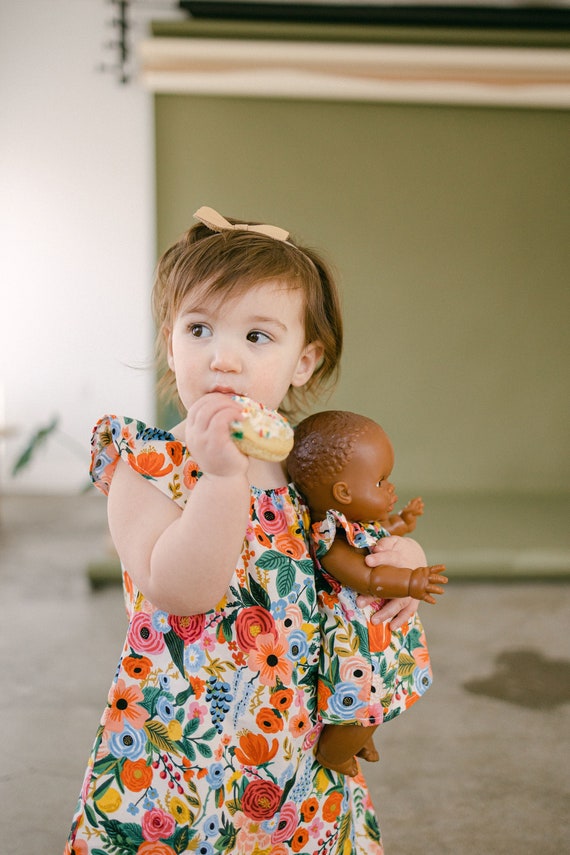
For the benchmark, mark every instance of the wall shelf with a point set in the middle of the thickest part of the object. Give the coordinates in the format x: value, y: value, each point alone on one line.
x: 432, y: 74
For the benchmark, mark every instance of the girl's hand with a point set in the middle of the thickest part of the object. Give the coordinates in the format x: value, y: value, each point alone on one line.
x: 208, y: 435
x: 397, y: 611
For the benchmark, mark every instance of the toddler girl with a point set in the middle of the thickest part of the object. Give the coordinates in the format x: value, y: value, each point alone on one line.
x: 207, y: 741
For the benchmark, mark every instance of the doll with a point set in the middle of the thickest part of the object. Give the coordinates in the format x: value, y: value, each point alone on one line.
x: 341, y: 463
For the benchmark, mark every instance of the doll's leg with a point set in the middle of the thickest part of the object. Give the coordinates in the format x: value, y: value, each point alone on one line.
x: 338, y: 745
x: 369, y: 751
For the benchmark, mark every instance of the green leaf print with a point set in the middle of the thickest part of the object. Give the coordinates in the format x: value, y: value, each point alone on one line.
x: 181, y: 839
x: 285, y: 579
x: 158, y: 735
x: 124, y: 837
x: 406, y: 664
x: 204, y: 750
x: 176, y: 648
x: 273, y: 560
x: 372, y: 827
x: 259, y: 594
x: 306, y: 566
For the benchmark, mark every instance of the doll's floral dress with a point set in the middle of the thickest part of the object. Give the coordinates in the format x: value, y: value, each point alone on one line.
x: 206, y: 743
x: 368, y: 674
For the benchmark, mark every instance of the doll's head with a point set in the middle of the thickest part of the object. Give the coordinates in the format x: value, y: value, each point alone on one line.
x: 342, y: 460
x: 227, y: 263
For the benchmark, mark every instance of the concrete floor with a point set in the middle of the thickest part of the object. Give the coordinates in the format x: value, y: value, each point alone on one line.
x: 479, y: 766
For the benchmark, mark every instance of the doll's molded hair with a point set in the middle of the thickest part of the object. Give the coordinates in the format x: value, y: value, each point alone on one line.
x: 324, y: 444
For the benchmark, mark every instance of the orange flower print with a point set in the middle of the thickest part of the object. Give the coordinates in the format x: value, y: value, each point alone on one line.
x: 123, y: 704
x: 282, y: 699
x: 261, y: 537
x: 155, y: 847
x: 254, y: 749
x: 136, y: 775
x: 138, y: 667
x: 268, y: 720
x: 174, y: 451
x: 300, y: 724
x: 323, y: 695
x: 379, y: 636
x: 290, y: 545
x: 309, y: 808
x: 299, y: 839
x: 190, y: 473
x: 421, y: 655
x: 331, y: 807
x: 150, y: 463
x: 269, y: 657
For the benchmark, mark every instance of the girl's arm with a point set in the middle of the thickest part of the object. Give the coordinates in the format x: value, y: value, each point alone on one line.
x: 182, y: 560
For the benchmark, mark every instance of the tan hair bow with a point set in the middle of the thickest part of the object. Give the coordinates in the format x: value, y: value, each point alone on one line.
x: 217, y: 223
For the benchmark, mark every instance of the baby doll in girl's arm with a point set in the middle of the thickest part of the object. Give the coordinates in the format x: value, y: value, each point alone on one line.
x: 341, y: 463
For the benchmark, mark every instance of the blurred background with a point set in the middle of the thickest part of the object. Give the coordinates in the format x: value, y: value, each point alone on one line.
x: 429, y: 159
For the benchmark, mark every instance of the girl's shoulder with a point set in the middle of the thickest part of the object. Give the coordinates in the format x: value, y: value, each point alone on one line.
x: 153, y: 453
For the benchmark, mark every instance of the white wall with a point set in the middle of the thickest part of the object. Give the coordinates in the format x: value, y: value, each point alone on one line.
x: 77, y: 236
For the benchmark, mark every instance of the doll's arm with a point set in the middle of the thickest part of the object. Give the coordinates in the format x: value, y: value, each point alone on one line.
x: 405, y: 521
x: 347, y: 565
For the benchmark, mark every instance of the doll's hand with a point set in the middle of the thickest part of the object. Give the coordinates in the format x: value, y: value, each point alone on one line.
x: 208, y: 435
x: 426, y: 581
x: 413, y: 509
x: 388, y: 582
x: 396, y: 612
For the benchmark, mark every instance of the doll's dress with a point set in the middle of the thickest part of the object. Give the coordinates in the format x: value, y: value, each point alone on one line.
x: 207, y: 741
x: 396, y: 670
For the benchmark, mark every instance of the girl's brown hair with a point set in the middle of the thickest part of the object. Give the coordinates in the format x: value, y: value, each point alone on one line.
x: 231, y: 262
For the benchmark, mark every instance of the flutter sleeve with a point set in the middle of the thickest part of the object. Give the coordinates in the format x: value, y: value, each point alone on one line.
x: 105, y: 451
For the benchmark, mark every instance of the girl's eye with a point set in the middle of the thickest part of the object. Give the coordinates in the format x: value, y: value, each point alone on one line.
x: 257, y: 337
x: 380, y: 482
x: 199, y: 330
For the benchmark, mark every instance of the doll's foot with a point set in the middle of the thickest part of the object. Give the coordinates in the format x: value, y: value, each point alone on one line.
x: 368, y: 752
x: 347, y: 767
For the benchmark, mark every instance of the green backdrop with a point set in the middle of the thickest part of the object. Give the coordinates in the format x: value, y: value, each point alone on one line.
x: 449, y: 228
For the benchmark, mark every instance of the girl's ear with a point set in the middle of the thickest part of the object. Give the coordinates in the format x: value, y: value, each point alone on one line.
x: 167, y: 333
x: 308, y: 361
x: 341, y: 493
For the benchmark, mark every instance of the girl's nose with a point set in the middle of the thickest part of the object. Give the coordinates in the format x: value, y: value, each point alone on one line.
x: 225, y: 359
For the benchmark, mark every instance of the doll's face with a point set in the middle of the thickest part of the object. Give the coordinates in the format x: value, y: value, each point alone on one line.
x: 362, y: 490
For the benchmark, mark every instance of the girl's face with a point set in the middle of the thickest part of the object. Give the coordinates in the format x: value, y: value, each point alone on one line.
x: 250, y: 344
x: 365, y: 491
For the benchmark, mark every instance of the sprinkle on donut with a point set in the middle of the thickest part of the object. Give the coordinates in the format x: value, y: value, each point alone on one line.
x: 262, y: 433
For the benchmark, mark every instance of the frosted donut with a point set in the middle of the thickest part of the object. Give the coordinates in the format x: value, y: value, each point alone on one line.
x: 262, y: 432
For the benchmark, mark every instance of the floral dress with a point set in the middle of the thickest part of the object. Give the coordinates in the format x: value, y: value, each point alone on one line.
x: 368, y: 674
x: 207, y: 741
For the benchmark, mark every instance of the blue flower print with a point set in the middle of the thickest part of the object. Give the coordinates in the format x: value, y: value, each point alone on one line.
x: 345, y: 701
x: 165, y: 709
x: 211, y: 826
x: 298, y: 646
x: 361, y: 539
x: 160, y: 621
x: 164, y: 681
x: 278, y: 609
x: 205, y: 848
x: 128, y: 743
x: 194, y: 658
x: 215, y: 776
x: 422, y: 681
